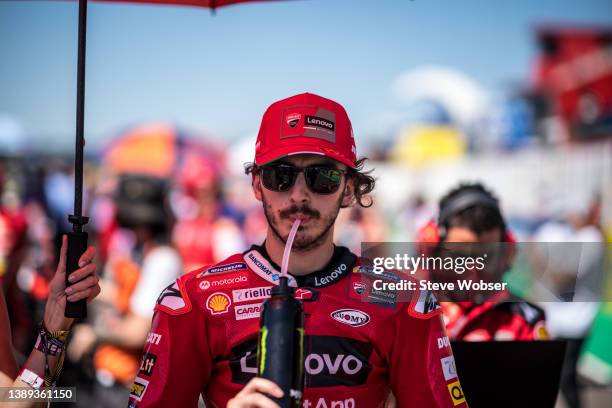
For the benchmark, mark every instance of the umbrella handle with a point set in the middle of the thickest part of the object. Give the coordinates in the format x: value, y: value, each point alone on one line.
x: 77, y: 244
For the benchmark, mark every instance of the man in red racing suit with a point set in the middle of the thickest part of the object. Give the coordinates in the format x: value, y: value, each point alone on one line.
x: 203, y: 340
x: 471, y: 214
x: 205, y: 326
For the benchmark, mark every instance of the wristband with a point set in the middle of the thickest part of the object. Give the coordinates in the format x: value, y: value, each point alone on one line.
x: 31, y: 378
x: 51, y: 343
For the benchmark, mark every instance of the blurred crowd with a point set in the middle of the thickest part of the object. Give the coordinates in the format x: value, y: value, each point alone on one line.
x: 160, y: 205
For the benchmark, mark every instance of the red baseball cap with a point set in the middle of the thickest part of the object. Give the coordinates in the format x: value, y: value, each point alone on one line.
x: 305, y: 123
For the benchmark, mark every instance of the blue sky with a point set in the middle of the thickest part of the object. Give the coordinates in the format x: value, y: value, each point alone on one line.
x: 218, y: 73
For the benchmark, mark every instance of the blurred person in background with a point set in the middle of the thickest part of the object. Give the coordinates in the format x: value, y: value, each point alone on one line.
x: 44, y: 363
x: 414, y: 215
x: 470, y: 214
x: 578, y: 281
x: 28, y: 256
x: 13, y: 227
x: 141, y: 262
x: 13, y: 248
x: 359, y: 225
x: 206, y: 229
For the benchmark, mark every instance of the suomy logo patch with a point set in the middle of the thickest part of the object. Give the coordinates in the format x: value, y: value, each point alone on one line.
x: 352, y: 317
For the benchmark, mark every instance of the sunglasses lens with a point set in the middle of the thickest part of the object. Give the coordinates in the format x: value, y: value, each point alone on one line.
x: 323, y: 180
x: 278, y: 178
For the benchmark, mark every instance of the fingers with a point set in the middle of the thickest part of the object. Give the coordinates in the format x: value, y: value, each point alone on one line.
x: 81, y: 273
x: 90, y: 292
x: 96, y: 292
x: 262, y: 385
x: 87, y: 256
x: 252, y: 396
x: 254, y: 400
x: 85, y: 288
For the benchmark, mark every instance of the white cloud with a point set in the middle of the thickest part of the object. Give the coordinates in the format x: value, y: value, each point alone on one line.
x: 464, y: 99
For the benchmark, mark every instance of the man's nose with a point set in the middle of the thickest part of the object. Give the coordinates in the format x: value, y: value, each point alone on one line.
x: 299, y: 193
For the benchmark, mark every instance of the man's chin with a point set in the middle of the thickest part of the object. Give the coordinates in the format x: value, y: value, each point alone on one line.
x: 306, y: 241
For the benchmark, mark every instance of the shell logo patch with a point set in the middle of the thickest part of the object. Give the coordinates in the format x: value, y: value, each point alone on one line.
x: 218, y: 303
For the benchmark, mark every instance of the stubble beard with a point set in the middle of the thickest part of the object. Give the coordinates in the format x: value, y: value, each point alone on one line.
x: 302, y: 242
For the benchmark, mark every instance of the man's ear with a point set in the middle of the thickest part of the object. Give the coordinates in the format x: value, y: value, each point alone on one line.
x: 256, y: 184
x: 348, y: 196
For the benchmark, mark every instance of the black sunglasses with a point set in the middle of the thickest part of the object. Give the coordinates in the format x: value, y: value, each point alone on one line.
x: 320, y: 179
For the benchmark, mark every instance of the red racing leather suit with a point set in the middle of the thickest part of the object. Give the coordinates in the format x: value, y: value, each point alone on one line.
x: 505, y: 318
x: 205, y: 327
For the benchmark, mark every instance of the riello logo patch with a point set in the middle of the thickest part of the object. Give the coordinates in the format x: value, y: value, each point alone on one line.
x: 352, y: 317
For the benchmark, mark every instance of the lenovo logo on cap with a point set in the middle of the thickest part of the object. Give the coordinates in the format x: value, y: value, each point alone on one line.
x: 322, y: 123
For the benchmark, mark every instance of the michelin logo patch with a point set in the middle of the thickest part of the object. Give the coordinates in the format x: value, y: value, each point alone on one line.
x: 236, y: 266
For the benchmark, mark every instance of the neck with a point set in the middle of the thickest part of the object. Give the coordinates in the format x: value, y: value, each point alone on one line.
x: 301, y: 262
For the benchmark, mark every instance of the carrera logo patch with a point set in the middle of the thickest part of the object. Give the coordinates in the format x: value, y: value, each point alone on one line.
x: 250, y: 311
x: 218, y: 303
x: 352, y: 317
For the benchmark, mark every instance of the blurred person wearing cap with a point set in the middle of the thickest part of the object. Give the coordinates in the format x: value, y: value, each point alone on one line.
x: 205, y: 328
x: 140, y: 263
x: 206, y: 231
x: 44, y: 364
x: 470, y: 218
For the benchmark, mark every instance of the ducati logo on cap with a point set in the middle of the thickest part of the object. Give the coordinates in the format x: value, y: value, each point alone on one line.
x: 293, y: 119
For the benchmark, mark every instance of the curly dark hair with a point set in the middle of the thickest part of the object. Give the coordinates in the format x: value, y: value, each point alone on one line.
x: 364, y: 183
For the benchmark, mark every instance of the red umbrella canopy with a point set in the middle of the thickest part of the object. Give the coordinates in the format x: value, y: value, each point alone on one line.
x: 199, y: 3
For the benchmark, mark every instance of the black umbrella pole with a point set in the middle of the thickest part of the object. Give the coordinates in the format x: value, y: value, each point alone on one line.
x: 77, y: 239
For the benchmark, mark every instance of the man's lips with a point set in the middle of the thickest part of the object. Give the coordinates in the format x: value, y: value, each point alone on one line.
x: 302, y: 217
